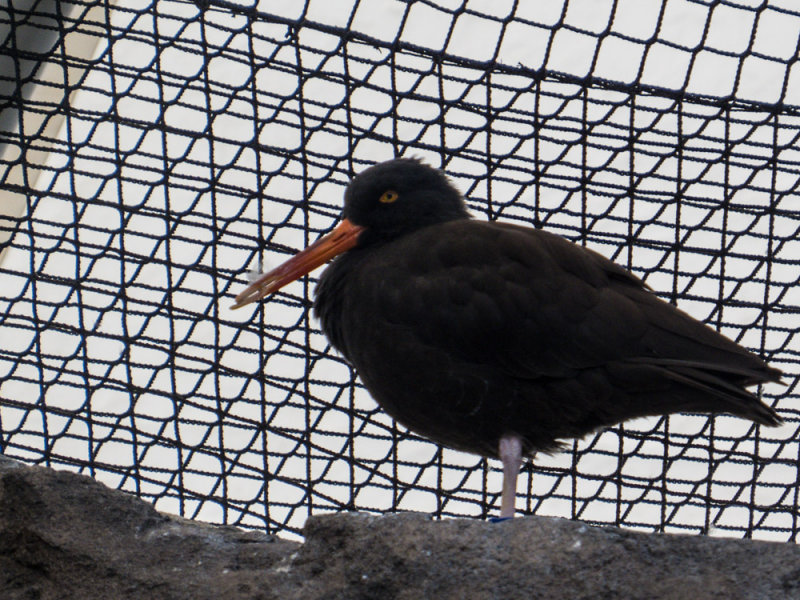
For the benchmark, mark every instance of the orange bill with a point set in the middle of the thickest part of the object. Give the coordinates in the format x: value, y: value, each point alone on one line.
x: 342, y: 238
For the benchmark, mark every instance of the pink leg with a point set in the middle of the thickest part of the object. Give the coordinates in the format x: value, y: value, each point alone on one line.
x: 510, y: 451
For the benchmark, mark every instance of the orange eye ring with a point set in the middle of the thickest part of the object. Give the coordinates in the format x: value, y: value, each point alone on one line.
x: 388, y: 197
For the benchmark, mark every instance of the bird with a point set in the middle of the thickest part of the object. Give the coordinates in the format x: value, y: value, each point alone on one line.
x: 499, y: 339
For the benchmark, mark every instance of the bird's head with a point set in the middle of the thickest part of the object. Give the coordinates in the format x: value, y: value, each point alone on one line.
x: 398, y: 196
x: 381, y: 203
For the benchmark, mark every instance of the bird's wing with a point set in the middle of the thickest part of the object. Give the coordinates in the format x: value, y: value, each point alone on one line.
x: 533, y: 304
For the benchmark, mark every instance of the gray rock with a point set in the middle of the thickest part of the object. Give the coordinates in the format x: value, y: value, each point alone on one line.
x: 64, y: 535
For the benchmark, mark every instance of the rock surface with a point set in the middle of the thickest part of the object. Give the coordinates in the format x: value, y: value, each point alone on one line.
x: 64, y: 535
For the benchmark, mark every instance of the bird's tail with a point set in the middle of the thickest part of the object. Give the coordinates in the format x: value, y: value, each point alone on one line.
x: 695, y: 386
x: 722, y: 388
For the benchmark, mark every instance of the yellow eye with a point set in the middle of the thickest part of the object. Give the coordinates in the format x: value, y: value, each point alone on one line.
x: 389, y: 196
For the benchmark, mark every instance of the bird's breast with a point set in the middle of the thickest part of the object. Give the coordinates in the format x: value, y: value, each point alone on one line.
x: 388, y: 314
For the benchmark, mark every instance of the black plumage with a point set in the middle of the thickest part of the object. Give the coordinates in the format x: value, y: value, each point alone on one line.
x: 470, y: 332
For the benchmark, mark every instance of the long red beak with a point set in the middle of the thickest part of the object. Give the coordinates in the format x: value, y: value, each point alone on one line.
x: 337, y: 241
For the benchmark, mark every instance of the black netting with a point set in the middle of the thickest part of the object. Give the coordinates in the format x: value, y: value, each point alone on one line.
x: 154, y: 151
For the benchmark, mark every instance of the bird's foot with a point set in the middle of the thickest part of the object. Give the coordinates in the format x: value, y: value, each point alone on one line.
x: 499, y: 519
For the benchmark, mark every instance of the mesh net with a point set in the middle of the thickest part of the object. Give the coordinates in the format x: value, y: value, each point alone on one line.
x: 155, y: 151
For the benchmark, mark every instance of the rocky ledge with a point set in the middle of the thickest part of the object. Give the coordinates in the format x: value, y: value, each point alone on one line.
x: 64, y: 535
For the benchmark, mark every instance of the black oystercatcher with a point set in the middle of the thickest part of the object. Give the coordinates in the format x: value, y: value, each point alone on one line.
x: 498, y: 339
